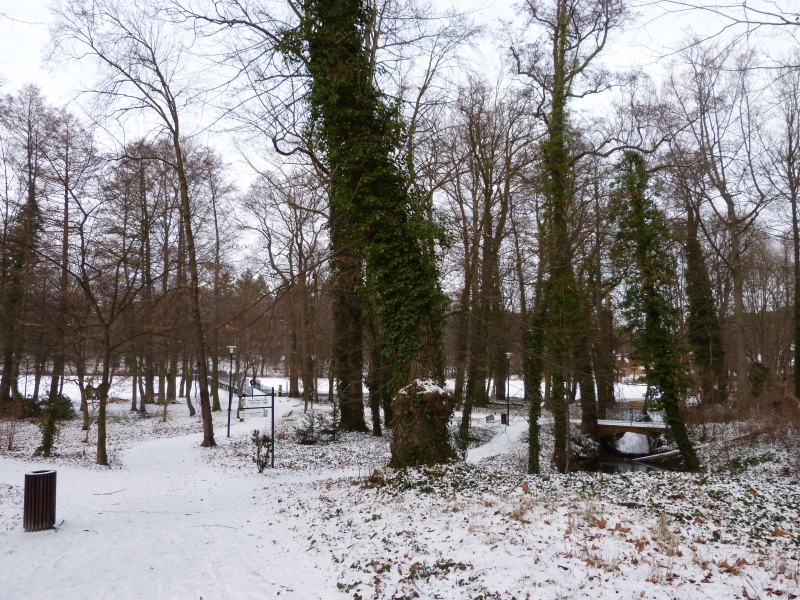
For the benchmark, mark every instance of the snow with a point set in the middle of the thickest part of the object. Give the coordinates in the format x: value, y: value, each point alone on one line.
x: 170, y: 519
x: 428, y: 386
x: 504, y: 442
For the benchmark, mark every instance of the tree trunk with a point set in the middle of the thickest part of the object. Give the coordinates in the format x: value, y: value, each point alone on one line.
x: 294, y: 379
x: 375, y: 384
x: 796, y: 248
x: 215, y: 382
x: 605, y: 364
x: 586, y: 385
x: 80, y: 371
x: 533, y: 367
x: 742, y: 379
x: 61, y: 314
x: 462, y: 342
x: 162, y: 376
x: 347, y: 340
x: 133, y: 361
x: 189, y: 383
x: 194, y: 277
x: 105, y: 383
x: 172, y: 374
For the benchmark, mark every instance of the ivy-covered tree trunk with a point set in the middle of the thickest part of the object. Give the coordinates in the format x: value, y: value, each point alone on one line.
x: 604, y: 356
x: 702, y: 322
x: 643, y: 254
x: 563, y: 317
x: 533, y: 366
x: 379, y: 229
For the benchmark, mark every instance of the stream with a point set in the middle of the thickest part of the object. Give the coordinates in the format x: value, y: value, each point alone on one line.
x: 618, y: 463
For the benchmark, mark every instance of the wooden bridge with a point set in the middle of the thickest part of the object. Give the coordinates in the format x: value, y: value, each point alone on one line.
x: 651, y: 429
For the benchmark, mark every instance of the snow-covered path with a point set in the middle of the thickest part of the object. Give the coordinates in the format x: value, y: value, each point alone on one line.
x: 173, y: 520
x: 502, y: 442
x: 168, y: 525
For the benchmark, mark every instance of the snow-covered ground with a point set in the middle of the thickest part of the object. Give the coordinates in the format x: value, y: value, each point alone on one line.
x: 170, y: 519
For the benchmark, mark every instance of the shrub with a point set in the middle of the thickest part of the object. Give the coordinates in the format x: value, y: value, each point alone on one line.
x: 263, y: 449
x: 311, y: 429
x: 52, y: 412
x: 334, y: 424
x: 758, y: 375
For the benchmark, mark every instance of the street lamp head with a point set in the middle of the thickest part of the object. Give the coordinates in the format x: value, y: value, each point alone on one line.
x: 508, y: 355
x: 231, y: 350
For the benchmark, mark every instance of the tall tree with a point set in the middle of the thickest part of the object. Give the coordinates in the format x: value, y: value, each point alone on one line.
x: 721, y: 122
x: 644, y: 255
x: 372, y: 209
x: 571, y: 34
x: 704, y: 332
x: 785, y: 156
x: 144, y: 64
x: 72, y: 163
x: 24, y: 122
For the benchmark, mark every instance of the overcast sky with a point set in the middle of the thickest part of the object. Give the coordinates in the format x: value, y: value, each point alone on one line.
x: 24, y: 36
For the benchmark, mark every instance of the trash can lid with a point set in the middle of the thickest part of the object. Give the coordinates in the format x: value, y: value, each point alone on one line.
x: 42, y: 471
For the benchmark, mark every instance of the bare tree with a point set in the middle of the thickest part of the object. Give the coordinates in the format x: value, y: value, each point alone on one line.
x: 143, y: 61
x: 785, y: 159
x: 718, y: 111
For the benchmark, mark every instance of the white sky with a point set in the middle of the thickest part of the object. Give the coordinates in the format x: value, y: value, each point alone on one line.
x: 24, y: 37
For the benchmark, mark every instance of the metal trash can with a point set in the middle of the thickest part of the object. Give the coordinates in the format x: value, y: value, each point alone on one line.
x: 40, y: 500
x: 503, y: 419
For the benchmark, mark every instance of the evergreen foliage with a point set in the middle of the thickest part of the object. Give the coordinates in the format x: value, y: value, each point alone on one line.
x: 559, y: 300
x: 563, y: 319
x: 702, y: 322
x: 358, y: 130
x: 310, y: 430
x: 758, y: 375
x: 380, y: 236
x: 647, y: 267
x: 421, y: 434
x: 333, y: 425
x: 21, y: 243
x: 52, y: 412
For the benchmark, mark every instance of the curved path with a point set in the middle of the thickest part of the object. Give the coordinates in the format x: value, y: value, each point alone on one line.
x: 167, y: 525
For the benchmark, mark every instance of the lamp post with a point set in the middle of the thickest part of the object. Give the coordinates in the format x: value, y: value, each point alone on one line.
x: 231, y: 350
x: 508, y: 388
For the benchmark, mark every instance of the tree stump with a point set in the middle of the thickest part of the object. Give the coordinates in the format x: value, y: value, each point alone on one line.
x: 422, y: 412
